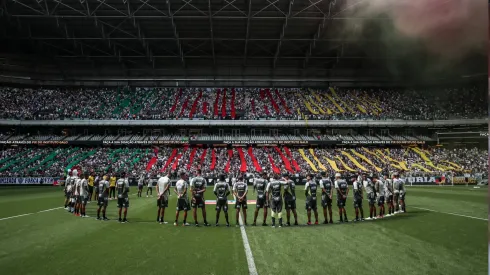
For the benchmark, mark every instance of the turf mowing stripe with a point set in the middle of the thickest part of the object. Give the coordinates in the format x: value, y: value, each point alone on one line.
x: 252, y: 270
x: 27, y: 214
x: 454, y: 214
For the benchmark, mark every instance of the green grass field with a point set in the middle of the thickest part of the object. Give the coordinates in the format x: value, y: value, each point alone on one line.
x: 443, y: 232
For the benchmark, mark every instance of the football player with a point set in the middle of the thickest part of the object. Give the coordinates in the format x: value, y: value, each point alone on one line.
x: 198, y: 187
x: 122, y: 186
x: 274, y: 191
x: 78, y: 187
x: 327, y: 192
x: 90, y: 180
x: 112, y: 187
x: 396, y: 190
x: 68, y: 191
x: 290, y: 199
x: 163, y: 186
x: 141, y: 182
x: 240, y: 190
x: 389, y: 194
x: 402, y: 192
x: 182, y: 200
x: 379, y: 186
x: 149, y: 188
x: 371, y: 196
x: 342, y: 192
x: 358, y: 197
x: 84, y: 195
x: 222, y: 190
x: 310, y: 192
x: 260, y: 185
x: 103, y: 197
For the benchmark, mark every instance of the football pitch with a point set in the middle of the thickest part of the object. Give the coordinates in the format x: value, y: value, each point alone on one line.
x: 443, y: 232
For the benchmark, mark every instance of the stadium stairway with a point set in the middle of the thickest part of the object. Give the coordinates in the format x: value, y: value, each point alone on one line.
x: 313, y: 167
x: 354, y: 160
x: 191, y: 158
x: 243, y: 167
x: 254, y: 160
x: 169, y: 160
x: 363, y: 157
x: 286, y: 162
x: 312, y: 152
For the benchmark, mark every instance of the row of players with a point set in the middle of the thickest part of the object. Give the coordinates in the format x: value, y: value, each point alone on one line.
x: 272, y: 193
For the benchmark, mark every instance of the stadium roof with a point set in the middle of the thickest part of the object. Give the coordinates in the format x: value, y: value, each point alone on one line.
x: 178, y: 39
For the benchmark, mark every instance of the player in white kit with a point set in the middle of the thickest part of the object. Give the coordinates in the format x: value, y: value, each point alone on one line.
x: 163, y: 186
x: 182, y: 201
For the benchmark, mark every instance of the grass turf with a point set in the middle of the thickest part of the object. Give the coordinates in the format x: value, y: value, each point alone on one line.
x: 417, y: 242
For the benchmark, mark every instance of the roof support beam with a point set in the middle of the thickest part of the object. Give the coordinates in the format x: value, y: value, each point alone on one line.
x: 283, y: 31
x: 141, y: 35
x: 211, y: 32
x: 176, y: 34
x: 312, y: 45
x: 247, y: 36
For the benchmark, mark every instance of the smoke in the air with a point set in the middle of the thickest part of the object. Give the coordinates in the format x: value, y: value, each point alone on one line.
x: 448, y: 30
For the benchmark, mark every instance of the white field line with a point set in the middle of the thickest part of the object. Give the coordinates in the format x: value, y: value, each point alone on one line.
x: 27, y: 214
x: 454, y: 214
x: 252, y: 270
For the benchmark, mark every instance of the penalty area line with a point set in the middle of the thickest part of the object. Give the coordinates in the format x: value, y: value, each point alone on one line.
x: 448, y: 213
x: 252, y: 270
x: 27, y: 214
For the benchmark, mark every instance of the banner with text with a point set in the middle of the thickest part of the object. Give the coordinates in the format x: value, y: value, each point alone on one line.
x: 14, y: 180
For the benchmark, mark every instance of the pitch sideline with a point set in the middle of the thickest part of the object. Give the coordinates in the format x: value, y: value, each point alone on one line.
x: 448, y: 213
x: 252, y: 270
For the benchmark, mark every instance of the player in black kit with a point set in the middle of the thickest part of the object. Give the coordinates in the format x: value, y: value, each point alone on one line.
x: 311, y: 188
x: 327, y: 192
x: 260, y: 184
x: 290, y: 199
x: 240, y: 190
x: 274, y: 189
x: 198, y: 187
x: 222, y: 190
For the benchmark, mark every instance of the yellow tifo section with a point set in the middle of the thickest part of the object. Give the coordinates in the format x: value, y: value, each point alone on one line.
x: 351, y: 158
x: 317, y: 106
x: 341, y: 101
x: 453, y: 165
x: 317, y: 160
x: 333, y: 164
x: 421, y: 167
x: 308, y: 106
x: 372, y: 102
x: 302, y: 152
x: 366, y: 160
x: 319, y: 99
x: 335, y: 102
x: 345, y: 164
x: 397, y: 164
x: 425, y: 158
x: 374, y: 155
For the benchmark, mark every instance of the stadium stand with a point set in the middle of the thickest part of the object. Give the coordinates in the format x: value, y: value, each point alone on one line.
x: 283, y: 104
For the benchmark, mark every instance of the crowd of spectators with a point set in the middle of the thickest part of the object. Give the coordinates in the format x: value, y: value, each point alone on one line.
x: 22, y: 161
x: 241, y: 103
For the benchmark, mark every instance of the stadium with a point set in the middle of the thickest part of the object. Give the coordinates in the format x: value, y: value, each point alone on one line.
x: 290, y: 137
